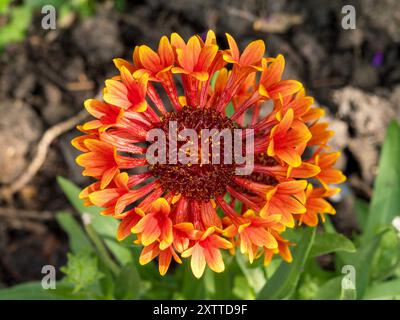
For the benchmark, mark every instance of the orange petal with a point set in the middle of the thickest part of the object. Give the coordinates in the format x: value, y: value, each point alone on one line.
x: 149, y: 58
x: 189, y: 56
x: 291, y: 187
x: 272, y: 73
x: 119, y: 63
x: 209, y: 215
x: 253, y: 53
x: 164, y: 261
x: 286, y: 122
x: 285, y: 88
x: 290, y: 156
x: 165, y: 52
x: 148, y: 253
x: 108, y: 176
x: 103, y: 198
x: 125, y: 226
x: 234, y: 50
x: 116, y: 94
x: 198, y: 261
x: 214, y: 260
x: 305, y: 170
x: 150, y: 229
x: 334, y: 176
x: 161, y: 205
x: 177, y: 41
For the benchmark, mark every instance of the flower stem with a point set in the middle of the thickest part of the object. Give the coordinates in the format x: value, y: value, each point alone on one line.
x: 101, y: 249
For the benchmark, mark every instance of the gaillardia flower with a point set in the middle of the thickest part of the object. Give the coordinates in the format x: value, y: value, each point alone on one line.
x: 196, y: 209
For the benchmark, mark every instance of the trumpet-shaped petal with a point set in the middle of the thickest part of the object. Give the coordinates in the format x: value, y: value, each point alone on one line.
x: 156, y: 63
x: 251, y: 56
x: 194, y: 59
x: 156, y: 225
x: 316, y: 205
x: 328, y: 174
x: 164, y: 257
x: 100, y: 161
x: 128, y: 94
x: 271, y: 83
x: 286, y: 199
x: 288, y: 139
x: 254, y: 234
x: 206, y: 251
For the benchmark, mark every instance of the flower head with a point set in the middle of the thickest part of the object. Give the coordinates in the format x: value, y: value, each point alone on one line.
x: 185, y: 209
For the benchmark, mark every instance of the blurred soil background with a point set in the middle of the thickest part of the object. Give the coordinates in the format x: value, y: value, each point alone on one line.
x: 45, y: 75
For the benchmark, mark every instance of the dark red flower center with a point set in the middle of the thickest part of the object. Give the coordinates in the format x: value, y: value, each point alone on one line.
x: 197, y: 181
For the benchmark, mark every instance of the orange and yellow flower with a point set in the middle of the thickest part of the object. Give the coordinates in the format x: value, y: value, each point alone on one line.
x: 178, y: 211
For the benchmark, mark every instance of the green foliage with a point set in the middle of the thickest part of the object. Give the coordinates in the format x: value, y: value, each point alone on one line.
x: 387, y: 258
x: 35, y: 291
x: 283, y: 283
x: 19, y: 19
x: 4, y: 6
x: 127, y: 286
x: 105, y: 227
x: 19, y: 16
x: 330, y: 242
x: 256, y: 277
x: 385, y: 203
x: 81, y: 271
x: 388, y: 290
x: 361, y: 210
x: 361, y: 261
x: 78, y: 241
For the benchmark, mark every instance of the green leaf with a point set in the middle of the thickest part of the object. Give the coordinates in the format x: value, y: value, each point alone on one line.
x: 192, y: 288
x: 384, y: 290
x: 72, y: 192
x: 330, y: 290
x: 35, y: 291
x: 311, y: 280
x: 219, y: 286
x: 361, y: 208
x: 107, y: 282
x: 78, y: 240
x: 241, y: 288
x: 4, y: 6
x: 121, y: 252
x: 272, y: 267
x: 223, y: 285
x: 255, y: 276
x: 15, y: 30
x: 128, y: 284
x: 361, y: 260
x: 307, y: 288
x: 284, y: 281
x: 330, y: 242
x: 387, y: 257
x: 385, y: 203
x: 106, y: 227
x: 328, y: 226
x: 82, y: 271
